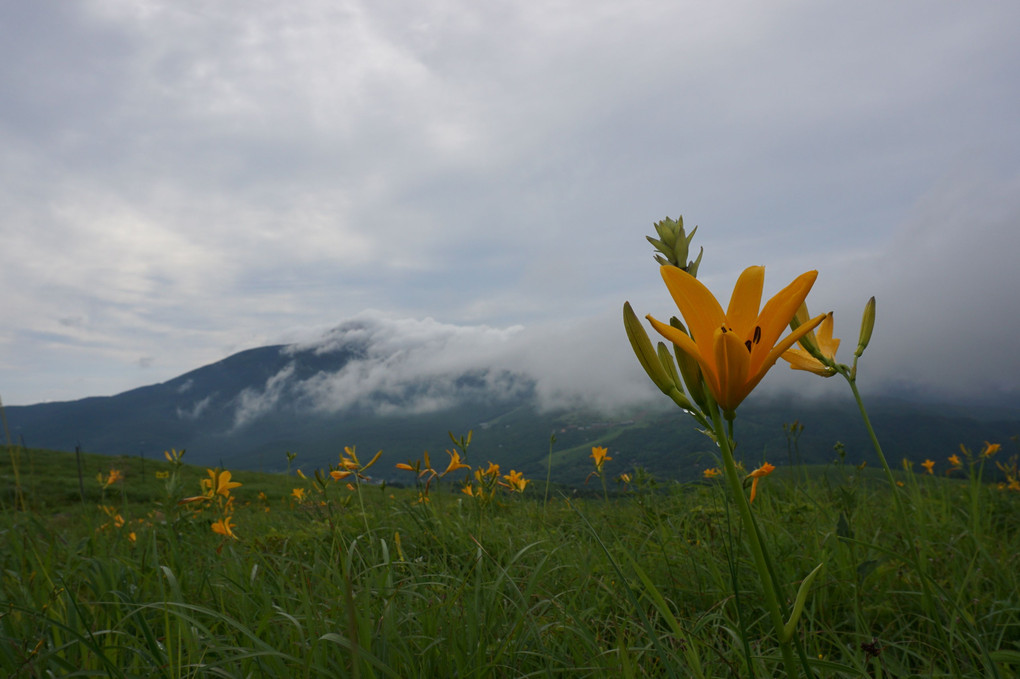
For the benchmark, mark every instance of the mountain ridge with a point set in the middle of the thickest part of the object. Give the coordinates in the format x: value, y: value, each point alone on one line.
x: 250, y: 408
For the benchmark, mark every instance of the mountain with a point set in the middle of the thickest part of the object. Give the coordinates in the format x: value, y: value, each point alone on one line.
x: 360, y: 386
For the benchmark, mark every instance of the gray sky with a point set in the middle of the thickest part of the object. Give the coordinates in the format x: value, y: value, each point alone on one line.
x: 180, y: 180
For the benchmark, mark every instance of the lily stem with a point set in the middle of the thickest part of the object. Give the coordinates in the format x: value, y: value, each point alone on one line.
x: 757, y: 546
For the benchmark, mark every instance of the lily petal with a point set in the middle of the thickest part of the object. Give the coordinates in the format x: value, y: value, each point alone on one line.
x: 698, y: 306
x: 742, y: 313
x: 689, y: 347
x: 732, y: 359
x: 776, y: 315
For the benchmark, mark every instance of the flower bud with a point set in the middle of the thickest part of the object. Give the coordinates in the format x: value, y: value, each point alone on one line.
x: 644, y: 350
x: 867, y: 326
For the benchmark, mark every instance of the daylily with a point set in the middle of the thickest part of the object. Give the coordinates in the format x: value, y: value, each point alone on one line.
x: 801, y: 359
x: 455, y: 463
x: 991, y: 449
x: 929, y: 465
x: 224, y: 527
x: 711, y: 473
x: 736, y: 347
x: 515, y: 481
x: 601, y: 456
x: 218, y: 483
x: 764, y: 470
x: 955, y: 461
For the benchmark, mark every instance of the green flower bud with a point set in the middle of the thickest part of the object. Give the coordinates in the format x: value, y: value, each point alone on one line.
x: 644, y: 350
x: 867, y: 327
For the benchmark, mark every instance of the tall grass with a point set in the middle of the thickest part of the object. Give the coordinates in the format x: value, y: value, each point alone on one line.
x: 652, y: 582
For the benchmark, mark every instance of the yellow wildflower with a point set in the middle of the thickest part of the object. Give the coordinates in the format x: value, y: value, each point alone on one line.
x: 218, y: 483
x: 224, y: 527
x: 736, y: 347
x: 801, y: 359
x: 712, y: 473
x: 955, y: 460
x: 299, y: 494
x: 515, y: 481
x: 764, y: 470
x: 991, y: 449
x: 929, y: 465
x: 455, y: 463
x: 601, y: 456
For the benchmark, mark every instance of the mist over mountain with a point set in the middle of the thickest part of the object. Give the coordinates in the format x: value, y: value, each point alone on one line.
x: 401, y: 385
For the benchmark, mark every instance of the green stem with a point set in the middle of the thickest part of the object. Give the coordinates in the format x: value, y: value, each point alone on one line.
x: 916, y: 551
x: 757, y: 546
x: 548, y: 473
x: 874, y: 440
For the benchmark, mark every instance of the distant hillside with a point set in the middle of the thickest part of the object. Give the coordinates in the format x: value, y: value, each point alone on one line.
x: 248, y: 410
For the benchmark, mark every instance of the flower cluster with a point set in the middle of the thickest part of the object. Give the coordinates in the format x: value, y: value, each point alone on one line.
x: 487, y: 481
x: 480, y: 483
x: 216, y: 493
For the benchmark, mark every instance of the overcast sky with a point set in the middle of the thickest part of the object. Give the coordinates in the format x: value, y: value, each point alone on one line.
x: 181, y: 180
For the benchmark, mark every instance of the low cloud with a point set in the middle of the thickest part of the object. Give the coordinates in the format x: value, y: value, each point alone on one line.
x: 421, y: 365
x: 254, y: 403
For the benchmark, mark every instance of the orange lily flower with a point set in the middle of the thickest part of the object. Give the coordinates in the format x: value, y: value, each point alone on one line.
x: 455, y: 463
x: 218, y: 483
x: 800, y: 359
x: 736, y: 347
x: 601, y: 456
x: 515, y: 481
x: 224, y: 527
x: 929, y: 465
x: 764, y: 470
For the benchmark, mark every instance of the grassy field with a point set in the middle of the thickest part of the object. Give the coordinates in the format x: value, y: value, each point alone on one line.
x: 125, y: 575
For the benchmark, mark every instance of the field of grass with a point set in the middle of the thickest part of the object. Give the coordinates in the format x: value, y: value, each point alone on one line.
x: 332, y: 576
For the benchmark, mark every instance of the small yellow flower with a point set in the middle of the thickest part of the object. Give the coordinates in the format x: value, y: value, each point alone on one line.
x: 219, y: 483
x: 515, y: 481
x: 929, y: 465
x: 299, y: 494
x: 601, y: 456
x: 991, y: 449
x: 224, y: 527
x: 712, y: 473
x: 801, y: 359
x: 300, y: 474
x: 468, y: 490
x: 955, y: 460
x: 625, y: 478
x: 162, y: 475
x: 337, y: 475
x: 113, y: 477
x: 764, y: 470
x: 455, y: 463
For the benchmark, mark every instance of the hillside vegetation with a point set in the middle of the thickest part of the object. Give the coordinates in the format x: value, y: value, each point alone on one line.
x: 135, y: 567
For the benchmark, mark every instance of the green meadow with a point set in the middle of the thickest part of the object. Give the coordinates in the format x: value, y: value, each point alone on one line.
x: 124, y: 575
